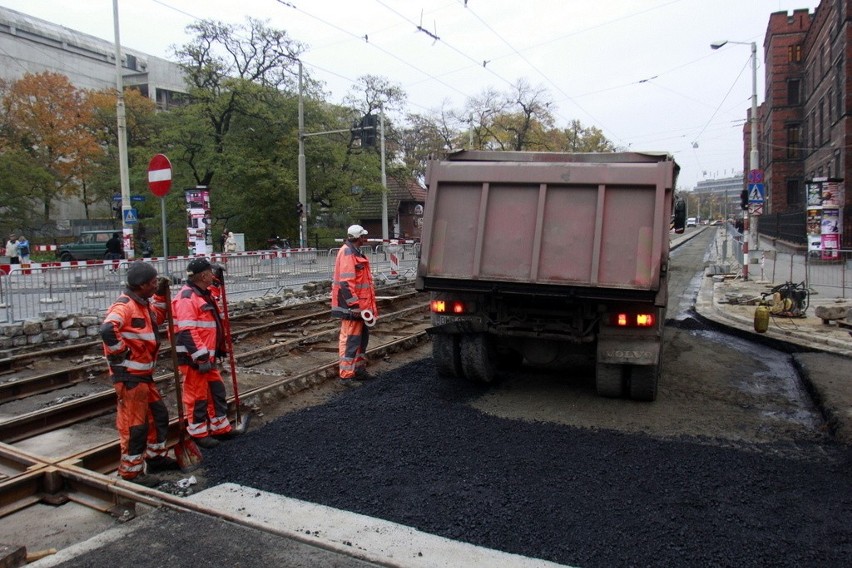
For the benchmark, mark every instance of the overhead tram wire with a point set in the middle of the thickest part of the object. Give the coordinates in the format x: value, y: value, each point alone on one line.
x: 722, y: 102
x: 477, y: 62
x: 314, y: 66
x: 541, y: 73
x: 603, y: 24
x: 361, y: 37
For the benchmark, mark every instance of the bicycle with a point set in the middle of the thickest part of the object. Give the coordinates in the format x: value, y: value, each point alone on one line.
x: 789, y: 300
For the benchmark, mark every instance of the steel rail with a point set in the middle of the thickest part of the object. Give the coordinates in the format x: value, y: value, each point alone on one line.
x: 97, y: 404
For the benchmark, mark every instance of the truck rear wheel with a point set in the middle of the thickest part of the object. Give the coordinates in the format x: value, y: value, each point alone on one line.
x: 447, y: 356
x: 477, y: 357
x: 643, y: 382
x: 609, y: 380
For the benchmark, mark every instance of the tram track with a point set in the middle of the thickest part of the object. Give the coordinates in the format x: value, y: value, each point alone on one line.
x: 254, y: 345
x: 46, y: 370
x: 276, y: 357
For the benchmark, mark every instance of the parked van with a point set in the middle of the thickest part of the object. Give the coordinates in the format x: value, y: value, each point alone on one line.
x: 91, y: 245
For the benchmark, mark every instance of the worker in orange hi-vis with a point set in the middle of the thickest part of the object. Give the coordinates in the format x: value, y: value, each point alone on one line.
x: 131, y: 344
x: 200, y: 340
x: 353, y: 299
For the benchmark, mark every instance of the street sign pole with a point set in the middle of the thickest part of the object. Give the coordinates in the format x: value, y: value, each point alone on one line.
x: 165, y: 235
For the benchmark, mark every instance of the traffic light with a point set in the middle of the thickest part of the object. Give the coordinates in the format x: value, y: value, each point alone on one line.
x: 369, y: 126
x: 744, y: 199
x: 300, y: 208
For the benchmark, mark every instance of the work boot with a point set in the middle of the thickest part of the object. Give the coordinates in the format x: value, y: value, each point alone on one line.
x: 144, y: 480
x: 364, y: 375
x: 207, y: 442
x: 349, y: 382
x: 162, y: 463
x: 227, y: 436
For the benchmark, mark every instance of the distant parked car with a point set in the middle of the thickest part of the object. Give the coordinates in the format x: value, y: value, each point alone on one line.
x: 90, y: 246
x: 690, y: 222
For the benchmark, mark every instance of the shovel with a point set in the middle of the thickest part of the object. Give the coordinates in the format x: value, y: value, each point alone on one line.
x: 187, y: 453
x: 241, y: 421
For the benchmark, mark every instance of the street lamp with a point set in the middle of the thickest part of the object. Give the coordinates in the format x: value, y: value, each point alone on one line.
x: 303, y: 192
x: 748, y: 233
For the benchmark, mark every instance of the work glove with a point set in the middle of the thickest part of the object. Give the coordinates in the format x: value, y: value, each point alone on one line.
x: 218, y: 271
x: 205, y: 366
x: 163, y: 284
x: 118, y: 358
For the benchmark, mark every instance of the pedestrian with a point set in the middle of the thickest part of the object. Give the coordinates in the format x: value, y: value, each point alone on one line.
x: 12, y: 249
x: 146, y: 248
x: 23, y: 249
x: 131, y: 343
x: 231, y: 243
x: 352, y: 293
x: 114, y: 249
x: 222, y: 238
x: 200, y: 339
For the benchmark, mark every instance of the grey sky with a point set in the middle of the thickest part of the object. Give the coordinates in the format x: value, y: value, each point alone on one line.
x: 641, y: 70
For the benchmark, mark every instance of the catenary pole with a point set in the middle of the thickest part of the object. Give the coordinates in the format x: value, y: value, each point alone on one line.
x: 127, y: 229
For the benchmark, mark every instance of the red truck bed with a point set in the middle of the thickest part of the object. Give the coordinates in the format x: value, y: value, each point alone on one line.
x: 586, y: 220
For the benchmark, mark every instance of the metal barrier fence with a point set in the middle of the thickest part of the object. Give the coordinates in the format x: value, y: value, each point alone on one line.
x: 28, y: 291
x: 829, y: 277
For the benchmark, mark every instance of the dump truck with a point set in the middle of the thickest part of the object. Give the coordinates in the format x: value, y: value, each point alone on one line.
x: 552, y: 260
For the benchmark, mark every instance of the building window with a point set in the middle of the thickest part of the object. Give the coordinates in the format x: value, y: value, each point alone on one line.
x: 821, y: 122
x: 838, y: 78
x: 793, y: 141
x: 793, y: 92
x: 794, y: 53
x: 794, y: 193
x: 813, y: 133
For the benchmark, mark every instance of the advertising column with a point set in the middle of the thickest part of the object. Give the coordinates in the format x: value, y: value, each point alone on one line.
x: 830, y: 228
x: 813, y: 190
x: 199, y: 238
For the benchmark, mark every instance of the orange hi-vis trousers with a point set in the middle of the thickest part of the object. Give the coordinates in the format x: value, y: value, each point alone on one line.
x: 205, y: 401
x: 352, y: 345
x: 142, y: 421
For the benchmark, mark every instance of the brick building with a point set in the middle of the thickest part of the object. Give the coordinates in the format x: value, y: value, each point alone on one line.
x: 406, y: 199
x: 805, y: 125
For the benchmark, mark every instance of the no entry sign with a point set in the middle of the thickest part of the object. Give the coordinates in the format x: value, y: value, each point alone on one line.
x: 160, y: 175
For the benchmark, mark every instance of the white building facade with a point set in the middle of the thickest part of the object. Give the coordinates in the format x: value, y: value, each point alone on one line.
x: 32, y: 45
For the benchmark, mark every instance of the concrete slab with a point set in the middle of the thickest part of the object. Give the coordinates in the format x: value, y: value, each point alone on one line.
x: 378, y: 540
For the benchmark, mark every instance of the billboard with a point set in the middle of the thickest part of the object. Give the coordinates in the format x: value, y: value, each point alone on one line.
x: 824, y: 221
x: 199, y: 237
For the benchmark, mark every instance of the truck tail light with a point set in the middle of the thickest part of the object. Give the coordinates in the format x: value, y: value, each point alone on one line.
x: 445, y: 307
x: 625, y: 319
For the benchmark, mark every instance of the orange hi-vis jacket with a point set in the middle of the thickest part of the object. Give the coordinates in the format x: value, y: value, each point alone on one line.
x: 199, y: 333
x: 352, y: 284
x: 131, y: 323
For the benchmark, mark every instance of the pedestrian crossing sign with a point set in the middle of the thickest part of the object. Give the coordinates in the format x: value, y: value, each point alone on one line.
x: 130, y: 216
x: 755, y: 193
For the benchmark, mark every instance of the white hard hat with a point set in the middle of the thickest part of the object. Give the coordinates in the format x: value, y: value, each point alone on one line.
x: 356, y: 231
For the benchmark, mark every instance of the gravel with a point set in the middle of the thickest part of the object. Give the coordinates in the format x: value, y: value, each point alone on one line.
x: 409, y: 448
